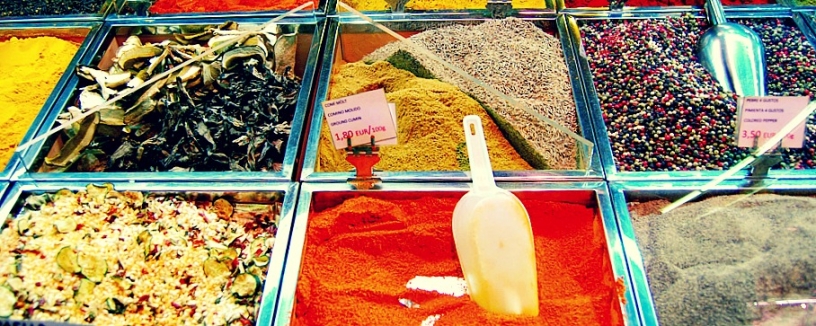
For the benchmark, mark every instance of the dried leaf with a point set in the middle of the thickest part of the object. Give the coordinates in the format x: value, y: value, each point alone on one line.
x: 74, y: 146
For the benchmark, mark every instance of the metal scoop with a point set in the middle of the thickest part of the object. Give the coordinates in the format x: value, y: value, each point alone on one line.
x: 732, y: 53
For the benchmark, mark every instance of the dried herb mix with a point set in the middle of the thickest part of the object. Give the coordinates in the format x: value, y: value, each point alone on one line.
x: 708, y: 262
x: 49, y: 7
x: 230, y: 112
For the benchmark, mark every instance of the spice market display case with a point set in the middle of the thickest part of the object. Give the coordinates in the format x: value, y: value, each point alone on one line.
x: 55, y: 11
x: 533, y: 149
x: 81, y: 34
x: 388, y: 236
x: 741, y: 257
x: 232, y: 246
x: 220, y: 8
x: 284, y: 92
x: 644, y: 132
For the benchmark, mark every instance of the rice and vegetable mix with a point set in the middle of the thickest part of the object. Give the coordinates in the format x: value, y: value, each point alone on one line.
x: 117, y: 258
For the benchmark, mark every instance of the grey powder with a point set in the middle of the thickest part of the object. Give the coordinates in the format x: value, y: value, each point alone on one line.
x: 708, y: 263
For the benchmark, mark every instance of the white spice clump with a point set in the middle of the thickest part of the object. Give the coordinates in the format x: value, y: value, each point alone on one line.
x: 448, y: 285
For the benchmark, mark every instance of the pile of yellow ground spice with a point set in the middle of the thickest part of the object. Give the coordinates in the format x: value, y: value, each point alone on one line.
x: 440, y: 4
x: 31, y: 67
x: 429, y: 123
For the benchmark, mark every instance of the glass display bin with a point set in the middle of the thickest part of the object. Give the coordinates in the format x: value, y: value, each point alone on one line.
x: 353, y: 256
x: 737, y: 255
x: 436, y: 71
x: 238, y: 116
x: 662, y: 115
x: 155, y: 253
x: 29, y: 91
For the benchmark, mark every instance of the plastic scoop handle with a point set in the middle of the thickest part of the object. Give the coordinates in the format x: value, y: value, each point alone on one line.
x: 480, y: 169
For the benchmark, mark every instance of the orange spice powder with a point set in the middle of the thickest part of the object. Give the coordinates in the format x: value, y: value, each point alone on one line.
x: 360, y: 254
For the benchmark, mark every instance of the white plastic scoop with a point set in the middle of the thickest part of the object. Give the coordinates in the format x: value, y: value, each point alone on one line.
x: 493, y: 236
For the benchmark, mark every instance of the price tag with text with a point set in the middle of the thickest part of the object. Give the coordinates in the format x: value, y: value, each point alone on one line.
x: 359, y: 117
x: 761, y: 117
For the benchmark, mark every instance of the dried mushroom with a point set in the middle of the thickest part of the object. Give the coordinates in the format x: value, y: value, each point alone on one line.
x: 229, y: 111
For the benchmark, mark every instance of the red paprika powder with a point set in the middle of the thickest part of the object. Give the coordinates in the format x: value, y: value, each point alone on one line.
x: 185, y: 6
x: 360, y: 254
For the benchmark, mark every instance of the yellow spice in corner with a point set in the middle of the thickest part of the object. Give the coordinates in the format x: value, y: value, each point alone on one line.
x: 31, y: 68
x: 429, y: 119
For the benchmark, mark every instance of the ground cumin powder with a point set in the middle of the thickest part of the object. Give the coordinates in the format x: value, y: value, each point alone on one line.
x: 440, y: 4
x: 429, y: 119
x: 32, y: 67
x: 360, y: 254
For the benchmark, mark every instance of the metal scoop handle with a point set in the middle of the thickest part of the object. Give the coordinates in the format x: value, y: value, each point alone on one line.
x: 715, y: 12
x: 480, y: 169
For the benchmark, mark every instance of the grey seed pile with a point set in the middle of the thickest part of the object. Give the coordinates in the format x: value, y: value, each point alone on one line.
x: 707, y: 261
x: 664, y: 111
x: 518, y: 59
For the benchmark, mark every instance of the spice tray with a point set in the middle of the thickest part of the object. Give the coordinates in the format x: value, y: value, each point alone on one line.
x: 241, y: 223
x: 729, y: 218
x: 142, y: 8
x: 296, y: 44
x: 403, y: 222
x: 351, y: 39
x: 106, y: 7
x: 694, y: 119
x: 418, y: 10
x: 731, y: 7
x: 634, y: 12
x: 82, y: 33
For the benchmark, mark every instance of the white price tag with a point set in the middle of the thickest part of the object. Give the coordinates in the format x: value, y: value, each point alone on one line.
x: 360, y: 116
x: 761, y: 117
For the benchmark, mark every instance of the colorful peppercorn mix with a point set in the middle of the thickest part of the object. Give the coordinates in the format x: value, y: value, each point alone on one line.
x: 663, y: 3
x: 664, y: 112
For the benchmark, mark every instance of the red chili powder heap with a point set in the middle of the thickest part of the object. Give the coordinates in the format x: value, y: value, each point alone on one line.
x: 661, y: 3
x: 184, y: 6
x: 360, y: 255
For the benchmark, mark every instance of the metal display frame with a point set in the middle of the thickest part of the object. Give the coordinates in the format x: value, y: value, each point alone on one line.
x: 597, y: 190
x: 601, y: 132
x: 622, y: 191
x: 309, y: 174
x: 290, y: 190
x: 70, y: 92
